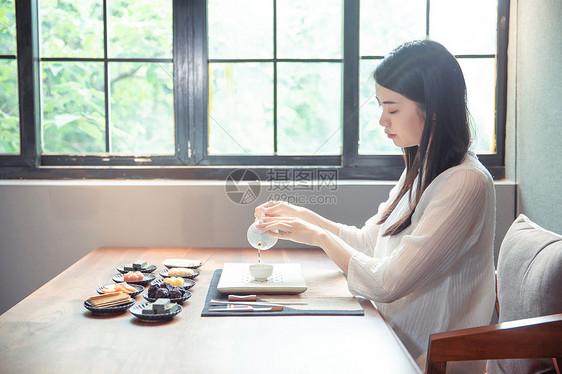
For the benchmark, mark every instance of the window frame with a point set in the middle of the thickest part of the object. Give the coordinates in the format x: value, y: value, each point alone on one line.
x: 191, y: 160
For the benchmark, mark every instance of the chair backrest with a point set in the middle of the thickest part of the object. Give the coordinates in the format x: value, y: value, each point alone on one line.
x: 529, y: 282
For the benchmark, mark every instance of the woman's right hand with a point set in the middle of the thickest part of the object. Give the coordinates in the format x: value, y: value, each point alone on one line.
x: 279, y: 209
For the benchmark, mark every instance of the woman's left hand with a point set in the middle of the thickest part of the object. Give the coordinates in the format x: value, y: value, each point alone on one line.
x: 301, y: 231
x: 290, y: 228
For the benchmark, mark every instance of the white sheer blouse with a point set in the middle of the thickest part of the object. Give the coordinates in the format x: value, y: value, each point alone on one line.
x: 437, y: 274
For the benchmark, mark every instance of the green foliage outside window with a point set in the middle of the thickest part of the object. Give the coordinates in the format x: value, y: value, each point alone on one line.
x: 140, y: 94
x: 241, y: 94
x: 120, y: 100
x: 9, y: 108
x: 73, y: 109
x: 9, y: 104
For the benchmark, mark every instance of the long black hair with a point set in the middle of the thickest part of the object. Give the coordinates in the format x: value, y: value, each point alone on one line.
x: 426, y: 73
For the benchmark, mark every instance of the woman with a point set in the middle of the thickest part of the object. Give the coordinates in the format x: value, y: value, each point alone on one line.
x: 426, y: 257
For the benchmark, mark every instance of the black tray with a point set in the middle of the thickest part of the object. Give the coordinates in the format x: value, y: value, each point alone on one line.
x: 148, y: 269
x: 118, y: 278
x: 178, y: 300
x: 187, y: 283
x: 137, y: 312
x: 164, y: 273
x: 118, y: 309
x: 138, y: 287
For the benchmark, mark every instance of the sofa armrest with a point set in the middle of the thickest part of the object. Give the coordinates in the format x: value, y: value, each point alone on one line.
x: 539, y: 337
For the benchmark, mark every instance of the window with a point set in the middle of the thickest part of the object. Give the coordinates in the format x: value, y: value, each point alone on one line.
x: 106, y: 77
x: 386, y: 24
x: 195, y: 89
x: 9, y: 103
x: 292, y: 81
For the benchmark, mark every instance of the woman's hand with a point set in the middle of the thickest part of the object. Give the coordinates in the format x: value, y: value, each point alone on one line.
x: 279, y: 209
x: 301, y: 231
x: 294, y: 229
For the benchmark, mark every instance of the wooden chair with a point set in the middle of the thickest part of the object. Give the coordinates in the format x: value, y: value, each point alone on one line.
x: 539, y: 337
x: 527, y: 249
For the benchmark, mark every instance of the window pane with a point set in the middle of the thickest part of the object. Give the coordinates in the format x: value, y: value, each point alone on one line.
x: 372, y: 139
x: 240, y: 29
x: 480, y: 80
x: 309, y: 109
x: 71, y: 28
x: 142, y: 108
x: 240, y: 109
x: 309, y: 29
x: 9, y: 108
x: 385, y: 24
x: 464, y: 27
x: 140, y: 29
x: 8, y: 27
x: 73, y: 110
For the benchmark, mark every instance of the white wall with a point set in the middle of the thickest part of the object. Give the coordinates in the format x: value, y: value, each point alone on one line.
x: 534, y: 132
x: 46, y: 226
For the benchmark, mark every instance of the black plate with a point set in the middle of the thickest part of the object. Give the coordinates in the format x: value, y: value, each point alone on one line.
x: 183, y: 266
x: 137, y: 312
x: 118, y: 278
x: 178, y: 300
x: 187, y: 283
x: 138, y: 287
x: 110, y: 310
x: 164, y: 273
x: 148, y: 269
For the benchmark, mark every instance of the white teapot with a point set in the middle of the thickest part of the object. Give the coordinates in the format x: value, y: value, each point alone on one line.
x: 259, y: 239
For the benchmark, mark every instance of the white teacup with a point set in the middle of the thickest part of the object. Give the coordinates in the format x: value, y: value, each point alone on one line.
x: 261, y: 272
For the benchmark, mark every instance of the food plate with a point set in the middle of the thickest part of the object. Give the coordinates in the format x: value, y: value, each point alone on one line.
x: 109, y: 310
x: 164, y: 273
x: 187, y: 283
x: 178, y: 300
x: 138, y: 288
x: 118, y: 278
x: 182, y: 263
x: 148, y: 269
x: 137, y: 312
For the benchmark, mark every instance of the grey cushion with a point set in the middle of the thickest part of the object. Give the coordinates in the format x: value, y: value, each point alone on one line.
x: 529, y: 282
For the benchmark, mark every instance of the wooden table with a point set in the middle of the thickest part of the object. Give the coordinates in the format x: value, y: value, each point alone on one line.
x: 51, y: 332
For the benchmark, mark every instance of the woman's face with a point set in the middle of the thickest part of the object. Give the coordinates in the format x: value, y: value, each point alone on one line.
x: 402, y: 118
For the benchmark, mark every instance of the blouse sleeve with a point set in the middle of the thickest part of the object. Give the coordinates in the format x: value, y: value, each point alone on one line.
x: 364, y: 239
x: 449, y: 225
